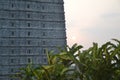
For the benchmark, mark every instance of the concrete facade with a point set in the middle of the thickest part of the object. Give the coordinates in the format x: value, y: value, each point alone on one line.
x: 27, y: 28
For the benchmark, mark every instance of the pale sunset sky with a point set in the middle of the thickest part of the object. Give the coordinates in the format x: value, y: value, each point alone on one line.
x: 89, y: 21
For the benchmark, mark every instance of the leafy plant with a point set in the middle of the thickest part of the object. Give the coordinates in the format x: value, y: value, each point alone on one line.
x: 72, y: 63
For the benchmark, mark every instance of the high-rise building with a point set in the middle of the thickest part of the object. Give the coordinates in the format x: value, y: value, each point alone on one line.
x: 27, y: 28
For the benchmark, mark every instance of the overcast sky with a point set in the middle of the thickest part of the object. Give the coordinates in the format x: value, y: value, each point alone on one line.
x: 90, y: 21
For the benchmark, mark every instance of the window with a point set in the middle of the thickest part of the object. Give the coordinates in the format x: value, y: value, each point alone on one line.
x: 12, y: 42
x: 12, y: 24
x: 44, y: 42
x: 28, y: 42
x: 28, y: 6
x: 45, y: 60
x: 44, y: 34
x: 12, y: 60
x: 42, y: 16
x: 12, y: 33
x: 43, y: 7
x: 63, y: 17
x: 28, y: 15
x: 43, y: 25
x: 29, y: 60
x: 28, y: 33
x: 12, y: 5
x: 12, y: 15
x: 11, y: 70
x: 44, y: 51
x: 29, y: 51
x: 28, y: 24
x: 12, y: 51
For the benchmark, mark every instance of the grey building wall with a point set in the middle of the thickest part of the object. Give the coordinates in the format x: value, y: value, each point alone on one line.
x: 27, y: 28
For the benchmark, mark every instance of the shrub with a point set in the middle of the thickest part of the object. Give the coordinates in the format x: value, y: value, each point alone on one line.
x: 72, y: 63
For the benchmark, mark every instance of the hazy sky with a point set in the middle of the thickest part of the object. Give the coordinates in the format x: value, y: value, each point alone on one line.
x: 90, y: 21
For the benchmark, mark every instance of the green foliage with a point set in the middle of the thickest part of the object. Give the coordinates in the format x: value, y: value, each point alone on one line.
x: 72, y: 63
